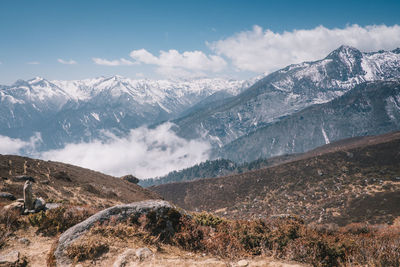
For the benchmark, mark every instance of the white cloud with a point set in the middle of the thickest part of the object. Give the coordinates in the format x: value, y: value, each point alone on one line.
x: 17, y: 146
x: 144, y: 153
x: 261, y: 50
x: 67, y: 62
x: 33, y: 63
x: 11, y: 146
x: 117, y: 62
x: 188, y: 63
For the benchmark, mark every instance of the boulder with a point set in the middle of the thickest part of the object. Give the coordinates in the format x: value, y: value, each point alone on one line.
x: 6, y: 195
x: 23, y: 178
x: 242, y: 263
x: 143, y: 253
x: 119, y: 213
x: 50, y: 206
x: 28, y: 196
x: 39, y: 204
x: 24, y: 241
x: 126, y: 257
x: 12, y: 259
x: 130, y: 178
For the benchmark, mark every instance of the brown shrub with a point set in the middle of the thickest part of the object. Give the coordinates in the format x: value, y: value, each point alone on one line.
x: 58, y: 220
x: 87, y: 249
x: 9, y: 222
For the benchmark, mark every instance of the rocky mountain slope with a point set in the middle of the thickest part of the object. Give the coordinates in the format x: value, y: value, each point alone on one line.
x: 287, y: 91
x: 368, y: 109
x: 355, y: 180
x: 73, y: 111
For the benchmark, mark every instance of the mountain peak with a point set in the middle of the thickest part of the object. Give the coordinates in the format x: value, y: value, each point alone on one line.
x: 344, y: 50
x: 35, y: 80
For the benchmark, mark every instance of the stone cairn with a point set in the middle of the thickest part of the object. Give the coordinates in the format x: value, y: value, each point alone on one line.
x: 28, y: 204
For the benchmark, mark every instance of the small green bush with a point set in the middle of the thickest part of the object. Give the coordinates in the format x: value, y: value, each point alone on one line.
x: 207, y: 219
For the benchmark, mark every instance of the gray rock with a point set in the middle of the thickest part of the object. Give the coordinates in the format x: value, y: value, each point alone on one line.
x: 242, y: 263
x: 28, y: 196
x: 23, y: 178
x: 124, y: 258
x: 143, y: 253
x: 130, y: 178
x: 24, y: 241
x: 119, y: 213
x: 12, y: 259
x: 39, y: 204
x: 7, y: 195
x: 50, y: 206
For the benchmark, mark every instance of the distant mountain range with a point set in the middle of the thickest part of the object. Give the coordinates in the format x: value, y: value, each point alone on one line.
x: 348, y: 93
x: 287, y: 91
x: 75, y: 111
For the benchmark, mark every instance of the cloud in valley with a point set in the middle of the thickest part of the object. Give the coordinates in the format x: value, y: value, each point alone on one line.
x: 143, y: 153
x: 260, y: 50
x: 17, y: 146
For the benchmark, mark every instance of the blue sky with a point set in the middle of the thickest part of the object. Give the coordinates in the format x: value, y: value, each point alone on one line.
x: 37, y: 37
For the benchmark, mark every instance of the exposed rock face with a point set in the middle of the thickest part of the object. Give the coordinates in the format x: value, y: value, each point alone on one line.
x: 130, y: 178
x: 28, y: 196
x: 119, y: 213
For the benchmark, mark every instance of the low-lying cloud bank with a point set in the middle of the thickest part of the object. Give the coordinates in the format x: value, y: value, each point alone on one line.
x: 144, y: 152
x: 17, y: 146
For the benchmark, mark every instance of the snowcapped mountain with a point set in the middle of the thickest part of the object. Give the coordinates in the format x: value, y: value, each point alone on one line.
x: 73, y: 111
x: 289, y: 90
x: 370, y: 108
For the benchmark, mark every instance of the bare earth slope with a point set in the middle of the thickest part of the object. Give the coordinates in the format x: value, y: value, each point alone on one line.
x: 352, y: 180
x: 55, y: 181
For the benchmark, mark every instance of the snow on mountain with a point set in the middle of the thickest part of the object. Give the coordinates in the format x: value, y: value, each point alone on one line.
x: 72, y: 111
x: 289, y: 90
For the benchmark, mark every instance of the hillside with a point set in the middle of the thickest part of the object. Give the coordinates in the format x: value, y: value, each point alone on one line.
x: 214, y: 168
x: 354, y: 180
x: 59, y: 182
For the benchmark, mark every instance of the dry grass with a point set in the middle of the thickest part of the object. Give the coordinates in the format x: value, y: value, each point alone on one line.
x: 55, y: 221
x: 9, y: 222
x: 283, y: 238
x: 87, y: 249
